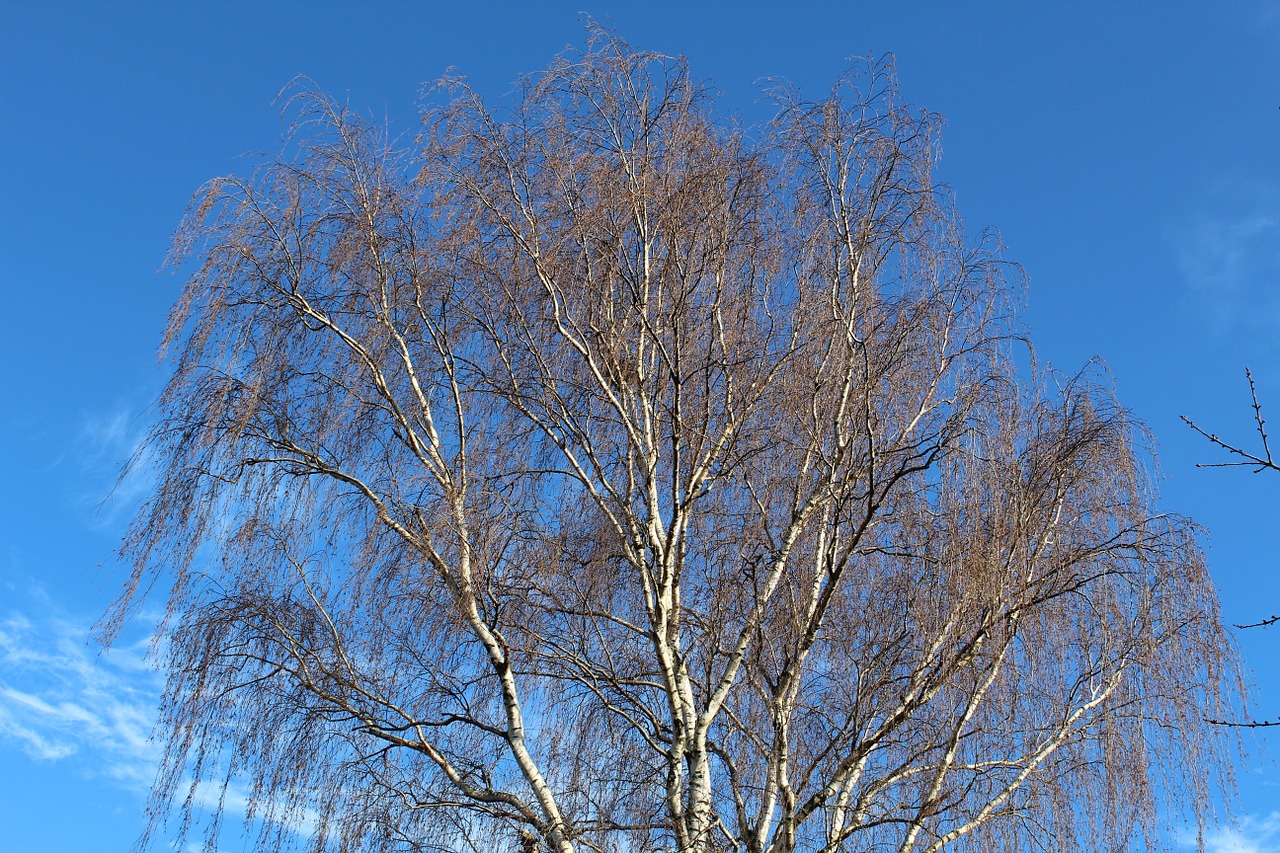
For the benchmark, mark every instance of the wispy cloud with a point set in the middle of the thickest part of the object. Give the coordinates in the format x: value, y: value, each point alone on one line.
x: 114, y: 462
x: 1251, y: 835
x: 62, y: 701
x: 1220, y: 254
x: 1229, y: 255
x: 1267, y: 14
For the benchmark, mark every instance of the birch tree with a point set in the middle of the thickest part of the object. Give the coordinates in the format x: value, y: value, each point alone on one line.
x: 593, y: 473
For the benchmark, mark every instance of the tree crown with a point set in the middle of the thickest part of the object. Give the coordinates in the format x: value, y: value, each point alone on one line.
x: 599, y: 474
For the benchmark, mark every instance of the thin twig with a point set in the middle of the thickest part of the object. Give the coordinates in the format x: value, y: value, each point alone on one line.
x: 1249, y: 724
x: 1257, y: 415
x: 1258, y: 463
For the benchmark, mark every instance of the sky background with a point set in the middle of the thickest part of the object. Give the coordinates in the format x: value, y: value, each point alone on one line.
x: 1127, y: 153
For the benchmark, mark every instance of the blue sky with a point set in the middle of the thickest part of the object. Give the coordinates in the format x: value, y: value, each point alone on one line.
x: 1127, y: 152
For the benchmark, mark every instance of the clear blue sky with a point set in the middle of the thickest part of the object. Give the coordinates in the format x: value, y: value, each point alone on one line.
x: 1129, y: 153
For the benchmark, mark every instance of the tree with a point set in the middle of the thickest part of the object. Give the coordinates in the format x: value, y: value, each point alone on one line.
x: 602, y: 475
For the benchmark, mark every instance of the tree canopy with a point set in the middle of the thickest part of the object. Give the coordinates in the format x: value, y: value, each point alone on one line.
x: 596, y: 473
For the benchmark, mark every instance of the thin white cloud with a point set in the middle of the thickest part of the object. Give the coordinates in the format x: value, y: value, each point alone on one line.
x: 1248, y: 835
x: 1230, y: 267
x: 62, y: 701
x: 235, y: 801
x: 1229, y: 256
x: 1268, y: 14
x: 115, y: 465
x: 1219, y: 254
x: 31, y: 741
